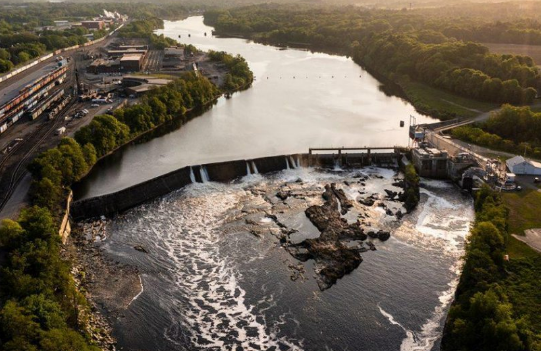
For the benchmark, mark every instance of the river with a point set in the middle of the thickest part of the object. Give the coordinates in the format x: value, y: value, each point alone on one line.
x: 299, y: 100
x: 216, y: 276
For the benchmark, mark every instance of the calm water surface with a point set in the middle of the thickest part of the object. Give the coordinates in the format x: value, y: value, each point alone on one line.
x: 299, y: 100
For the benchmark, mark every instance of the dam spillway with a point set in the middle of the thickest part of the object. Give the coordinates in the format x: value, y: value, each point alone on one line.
x: 122, y: 200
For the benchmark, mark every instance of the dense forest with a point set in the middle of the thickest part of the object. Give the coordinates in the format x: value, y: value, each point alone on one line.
x: 491, y: 310
x: 512, y: 129
x: 145, y: 28
x: 19, y: 48
x: 402, y: 46
x: 41, y: 308
x: 239, y: 76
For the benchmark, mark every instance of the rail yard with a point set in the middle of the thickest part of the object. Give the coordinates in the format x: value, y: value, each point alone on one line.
x: 33, y: 106
x: 62, y: 93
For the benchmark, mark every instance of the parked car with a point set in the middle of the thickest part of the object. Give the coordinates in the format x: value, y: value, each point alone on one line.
x: 536, y: 180
x: 94, y: 105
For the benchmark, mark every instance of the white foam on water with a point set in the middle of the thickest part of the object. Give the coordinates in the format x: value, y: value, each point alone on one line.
x: 439, y: 184
x: 431, y: 329
x: 140, y: 292
x: 215, y: 311
x: 442, y: 219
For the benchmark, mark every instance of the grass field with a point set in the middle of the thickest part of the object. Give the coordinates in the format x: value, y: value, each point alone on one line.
x: 534, y: 51
x: 524, y: 210
x: 427, y: 98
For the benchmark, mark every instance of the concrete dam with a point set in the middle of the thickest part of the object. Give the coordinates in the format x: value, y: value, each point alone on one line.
x: 117, y: 202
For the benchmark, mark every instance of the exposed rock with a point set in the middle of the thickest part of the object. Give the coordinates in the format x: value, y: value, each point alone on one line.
x: 389, y: 212
x: 334, y: 258
x: 367, y: 201
x: 255, y: 233
x: 345, y: 203
x: 383, y: 235
x: 140, y: 248
x: 372, y: 234
x: 391, y: 194
x: 283, y: 195
x: 399, y: 183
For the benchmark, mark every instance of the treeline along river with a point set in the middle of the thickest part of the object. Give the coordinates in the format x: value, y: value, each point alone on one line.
x: 216, y: 276
x: 309, y: 99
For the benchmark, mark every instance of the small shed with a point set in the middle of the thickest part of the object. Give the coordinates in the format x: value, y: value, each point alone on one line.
x: 521, y: 166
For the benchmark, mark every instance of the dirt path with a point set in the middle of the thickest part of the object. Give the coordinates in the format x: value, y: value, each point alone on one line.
x: 464, y: 107
x: 532, y: 237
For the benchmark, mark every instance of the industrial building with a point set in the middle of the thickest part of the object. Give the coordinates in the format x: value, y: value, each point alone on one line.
x: 120, y: 53
x: 133, y: 47
x: 521, y: 166
x: 100, y: 66
x: 131, y: 62
x: 430, y: 162
x: 93, y: 25
x: 137, y: 86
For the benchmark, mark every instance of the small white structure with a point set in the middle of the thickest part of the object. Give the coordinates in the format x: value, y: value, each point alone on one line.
x: 60, y: 131
x: 519, y: 165
x: 509, y: 178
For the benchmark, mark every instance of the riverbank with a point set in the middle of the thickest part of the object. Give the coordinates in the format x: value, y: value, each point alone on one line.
x: 108, y: 286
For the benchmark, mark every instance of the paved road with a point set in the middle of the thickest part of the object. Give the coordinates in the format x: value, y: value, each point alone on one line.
x: 486, y: 152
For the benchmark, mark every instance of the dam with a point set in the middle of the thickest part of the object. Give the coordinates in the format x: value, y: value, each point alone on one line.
x: 117, y: 202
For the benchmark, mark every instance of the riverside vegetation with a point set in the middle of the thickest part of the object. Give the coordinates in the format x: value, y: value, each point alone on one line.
x: 512, y: 129
x: 405, y: 47
x: 497, y: 303
x: 40, y: 307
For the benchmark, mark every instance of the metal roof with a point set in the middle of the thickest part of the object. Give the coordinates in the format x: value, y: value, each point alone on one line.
x: 512, y: 162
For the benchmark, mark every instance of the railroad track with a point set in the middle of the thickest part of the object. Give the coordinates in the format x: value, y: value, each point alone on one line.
x: 20, y: 168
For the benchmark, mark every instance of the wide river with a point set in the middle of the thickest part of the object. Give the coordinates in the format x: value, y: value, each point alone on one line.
x: 299, y: 100
x: 216, y: 276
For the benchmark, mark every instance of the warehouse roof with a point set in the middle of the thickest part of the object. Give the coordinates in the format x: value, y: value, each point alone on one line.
x: 131, y: 57
x: 512, y: 162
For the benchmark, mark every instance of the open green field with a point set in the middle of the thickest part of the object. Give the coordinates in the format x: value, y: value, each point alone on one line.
x: 524, y: 210
x: 534, y: 51
x: 427, y: 98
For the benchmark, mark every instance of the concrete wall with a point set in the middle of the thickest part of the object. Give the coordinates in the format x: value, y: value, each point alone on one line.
x: 65, y: 227
x: 125, y: 199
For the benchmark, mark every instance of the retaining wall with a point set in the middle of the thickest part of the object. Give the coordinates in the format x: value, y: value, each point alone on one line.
x: 114, y: 203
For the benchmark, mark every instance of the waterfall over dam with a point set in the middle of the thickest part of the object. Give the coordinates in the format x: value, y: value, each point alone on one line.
x: 111, y: 204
